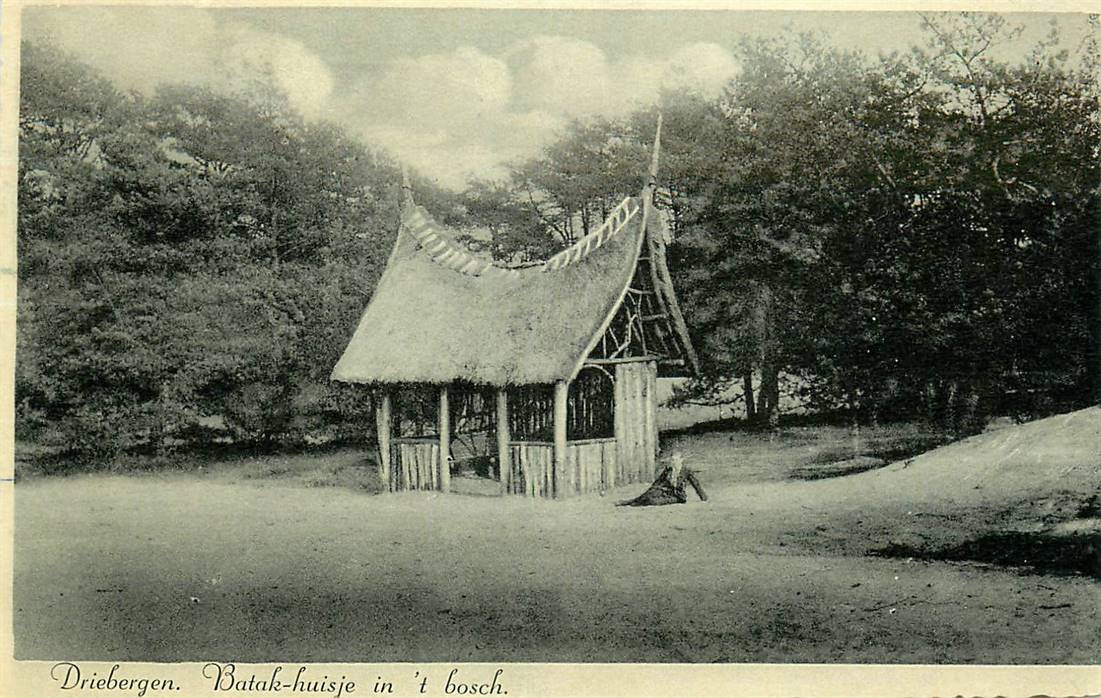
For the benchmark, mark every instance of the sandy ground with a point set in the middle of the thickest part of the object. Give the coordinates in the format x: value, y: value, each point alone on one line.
x: 190, y: 567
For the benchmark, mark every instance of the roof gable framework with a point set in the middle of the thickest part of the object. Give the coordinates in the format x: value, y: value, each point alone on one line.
x: 645, y: 325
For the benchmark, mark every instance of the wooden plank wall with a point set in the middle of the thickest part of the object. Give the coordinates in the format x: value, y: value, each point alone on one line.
x: 415, y: 464
x: 590, y: 465
x: 636, y: 420
x: 532, y: 468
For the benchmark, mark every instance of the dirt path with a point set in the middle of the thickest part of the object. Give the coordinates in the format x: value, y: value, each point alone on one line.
x: 178, y: 568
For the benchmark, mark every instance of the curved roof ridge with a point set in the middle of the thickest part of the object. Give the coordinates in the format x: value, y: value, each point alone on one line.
x: 616, y: 221
x: 443, y: 251
x: 508, y: 328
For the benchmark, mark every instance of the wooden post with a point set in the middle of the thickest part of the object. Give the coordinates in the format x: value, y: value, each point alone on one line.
x: 382, y: 424
x: 620, y: 432
x: 650, y: 415
x: 406, y: 464
x: 504, y: 455
x: 653, y: 382
x: 445, y: 441
x: 561, y: 393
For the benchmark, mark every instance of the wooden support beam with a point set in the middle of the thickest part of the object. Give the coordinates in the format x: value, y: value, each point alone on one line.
x: 504, y: 454
x: 652, y: 378
x: 444, y: 423
x: 622, y: 360
x: 622, y: 453
x: 561, y: 393
x: 383, y: 421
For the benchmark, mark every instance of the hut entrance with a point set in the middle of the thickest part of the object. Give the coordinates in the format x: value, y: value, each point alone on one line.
x: 413, y: 451
x: 586, y: 411
x: 473, y: 459
x: 456, y: 420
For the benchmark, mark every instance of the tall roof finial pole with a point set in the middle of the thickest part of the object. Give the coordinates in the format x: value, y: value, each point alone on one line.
x: 653, y: 182
x: 406, y: 188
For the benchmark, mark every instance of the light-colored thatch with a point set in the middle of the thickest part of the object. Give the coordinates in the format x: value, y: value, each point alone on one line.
x: 439, y: 315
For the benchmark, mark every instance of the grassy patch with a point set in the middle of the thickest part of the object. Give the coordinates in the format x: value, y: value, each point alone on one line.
x: 837, y: 468
x: 1076, y: 553
x: 864, y: 450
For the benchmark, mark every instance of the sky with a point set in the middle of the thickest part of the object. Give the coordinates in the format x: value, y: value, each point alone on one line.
x: 457, y: 93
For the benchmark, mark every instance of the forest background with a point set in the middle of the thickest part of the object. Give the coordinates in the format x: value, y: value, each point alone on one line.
x: 912, y: 236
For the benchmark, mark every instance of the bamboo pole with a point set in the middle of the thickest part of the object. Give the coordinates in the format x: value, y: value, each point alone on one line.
x: 635, y: 399
x: 516, y: 481
x: 649, y: 417
x: 433, y: 478
x: 561, y: 393
x: 645, y: 450
x: 546, y: 457
x: 383, y: 426
x: 504, y: 455
x: 445, y: 441
x: 573, y: 458
x: 653, y: 407
x: 630, y: 424
x: 607, y: 465
x: 620, y: 432
x: 640, y: 422
x: 422, y: 466
x: 583, y: 455
x: 404, y: 465
x: 415, y: 461
x: 526, y: 454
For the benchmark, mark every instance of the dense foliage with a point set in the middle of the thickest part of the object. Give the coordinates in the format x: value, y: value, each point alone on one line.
x: 186, y: 261
x: 916, y: 235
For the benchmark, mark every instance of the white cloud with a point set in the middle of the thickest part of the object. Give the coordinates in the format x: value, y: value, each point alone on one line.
x: 453, y: 115
x: 704, y: 67
x: 452, y: 91
x: 447, y: 114
x: 466, y: 114
x: 561, y: 75
x: 301, y: 74
x: 139, y: 48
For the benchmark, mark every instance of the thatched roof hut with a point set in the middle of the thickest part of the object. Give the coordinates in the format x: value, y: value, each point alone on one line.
x: 595, y: 325
x: 440, y: 315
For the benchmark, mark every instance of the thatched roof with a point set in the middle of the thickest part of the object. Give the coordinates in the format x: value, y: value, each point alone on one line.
x: 441, y: 315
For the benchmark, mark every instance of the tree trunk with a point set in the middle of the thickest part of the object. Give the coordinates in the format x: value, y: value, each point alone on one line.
x: 747, y: 394
x: 976, y: 405
x: 770, y: 385
x: 768, y: 398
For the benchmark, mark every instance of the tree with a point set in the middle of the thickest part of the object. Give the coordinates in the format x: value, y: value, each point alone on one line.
x: 1008, y: 208
x: 909, y: 235
x: 188, y: 258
